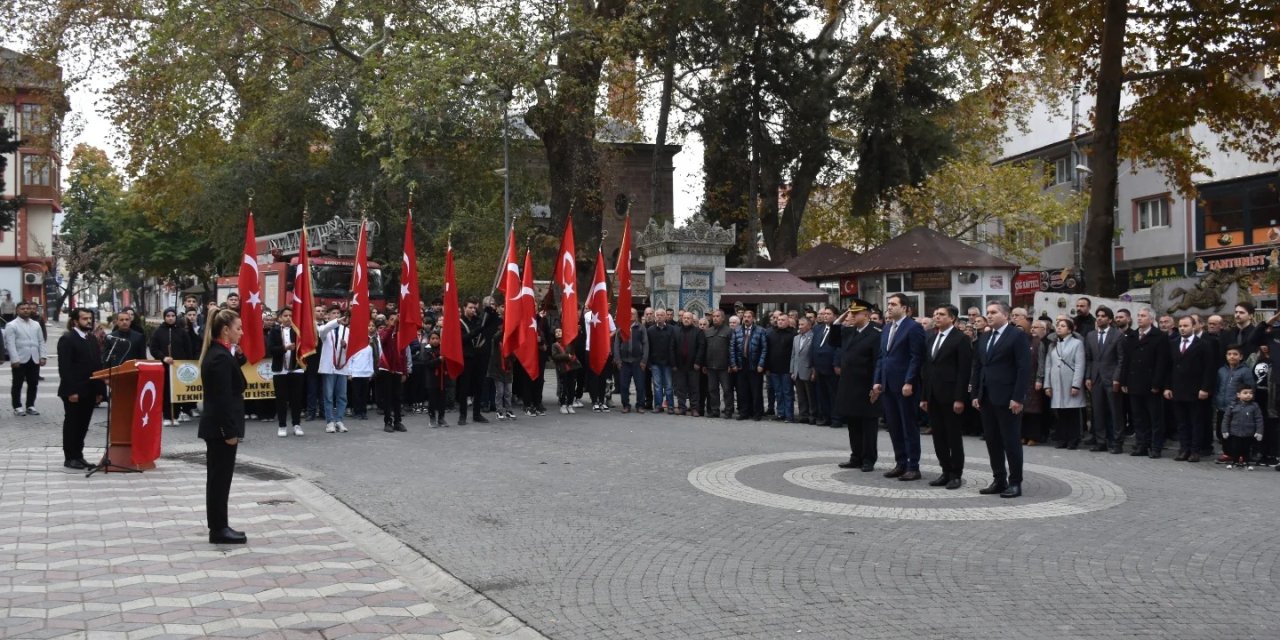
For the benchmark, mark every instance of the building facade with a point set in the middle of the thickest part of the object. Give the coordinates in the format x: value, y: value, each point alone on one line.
x: 32, y: 105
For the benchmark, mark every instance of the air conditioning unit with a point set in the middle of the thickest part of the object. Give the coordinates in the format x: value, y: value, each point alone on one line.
x: 31, y: 278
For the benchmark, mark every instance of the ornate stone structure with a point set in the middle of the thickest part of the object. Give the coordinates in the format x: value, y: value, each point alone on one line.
x: 684, y: 267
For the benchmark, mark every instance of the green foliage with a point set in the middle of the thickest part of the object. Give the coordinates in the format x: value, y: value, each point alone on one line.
x: 9, y: 144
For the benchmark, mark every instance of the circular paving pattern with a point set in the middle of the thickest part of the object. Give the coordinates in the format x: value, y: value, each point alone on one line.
x: 1087, y: 492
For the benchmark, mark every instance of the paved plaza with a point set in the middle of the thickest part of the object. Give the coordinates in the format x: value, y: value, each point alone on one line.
x: 632, y: 526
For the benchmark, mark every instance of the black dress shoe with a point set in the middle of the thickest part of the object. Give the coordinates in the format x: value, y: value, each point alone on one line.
x: 1117, y: 451
x: 850, y: 464
x: 1098, y: 448
x: 909, y: 476
x: 1182, y: 456
x: 994, y: 488
x: 868, y: 467
x: 1138, y: 452
x: 399, y: 426
x: 894, y: 472
x: 74, y: 464
x: 479, y: 419
x: 1013, y: 491
x: 954, y: 483
x: 941, y: 481
x: 388, y: 428
x: 1060, y: 445
x: 227, y: 535
x: 462, y: 421
x: 1155, y: 453
x: 1072, y: 446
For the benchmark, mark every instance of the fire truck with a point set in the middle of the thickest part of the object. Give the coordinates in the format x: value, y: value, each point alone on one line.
x: 332, y: 249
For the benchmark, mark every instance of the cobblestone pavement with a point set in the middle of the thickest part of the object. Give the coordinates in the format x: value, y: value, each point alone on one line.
x: 597, y: 526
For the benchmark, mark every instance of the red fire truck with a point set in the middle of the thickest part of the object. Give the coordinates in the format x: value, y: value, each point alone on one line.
x: 332, y: 248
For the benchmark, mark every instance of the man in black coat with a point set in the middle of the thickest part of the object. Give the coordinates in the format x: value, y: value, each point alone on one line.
x: 132, y: 345
x: 778, y: 366
x: 1192, y: 378
x: 824, y: 354
x: 691, y: 356
x: 78, y: 357
x: 1142, y: 379
x: 477, y: 340
x: 169, y: 343
x: 856, y: 403
x: 1001, y: 375
x: 948, y: 365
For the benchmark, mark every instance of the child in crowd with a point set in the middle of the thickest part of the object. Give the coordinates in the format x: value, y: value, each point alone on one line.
x: 433, y: 365
x: 567, y: 366
x: 1241, y: 423
x: 500, y: 372
x: 1232, y: 377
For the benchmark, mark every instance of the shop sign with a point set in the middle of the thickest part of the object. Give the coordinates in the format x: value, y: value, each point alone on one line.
x: 1248, y: 260
x: 930, y: 280
x: 1026, y: 283
x: 1147, y: 276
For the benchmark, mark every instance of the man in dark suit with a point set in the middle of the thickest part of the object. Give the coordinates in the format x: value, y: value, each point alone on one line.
x: 1192, y: 378
x: 133, y: 346
x: 947, y: 369
x: 855, y: 401
x: 78, y: 357
x: 1142, y: 375
x: 896, y: 377
x: 1001, y: 374
x: 824, y: 356
x: 1103, y: 351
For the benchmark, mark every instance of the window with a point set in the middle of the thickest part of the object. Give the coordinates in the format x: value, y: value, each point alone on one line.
x: 35, y: 171
x: 1063, y: 233
x: 1062, y: 170
x: 895, y: 282
x: 1153, y: 213
x: 33, y: 122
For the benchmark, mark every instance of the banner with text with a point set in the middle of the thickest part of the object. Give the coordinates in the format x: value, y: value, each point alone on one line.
x: 185, y: 384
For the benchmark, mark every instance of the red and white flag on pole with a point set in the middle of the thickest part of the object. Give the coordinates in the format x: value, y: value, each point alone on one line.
x: 527, y: 350
x: 410, y: 301
x: 451, y: 323
x: 566, y: 276
x: 302, y: 303
x: 510, y: 289
x: 623, y: 273
x: 359, y: 304
x: 253, y: 344
x: 597, y: 319
x: 147, y: 418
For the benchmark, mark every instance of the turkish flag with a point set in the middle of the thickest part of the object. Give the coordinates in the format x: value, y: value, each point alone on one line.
x: 597, y: 318
x: 510, y: 289
x: 359, y: 306
x: 410, y: 302
x: 253, y: 344
x: 527, y: 350
x: 566, y: 275
x: 302, y: 303
x: 451, y: 323
x: 623, y: 273
x: 148, y: 414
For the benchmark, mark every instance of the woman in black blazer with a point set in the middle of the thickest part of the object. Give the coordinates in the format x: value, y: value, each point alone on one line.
x: 222, y: 423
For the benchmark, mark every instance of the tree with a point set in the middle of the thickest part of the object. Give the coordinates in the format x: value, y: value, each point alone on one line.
x: 92, y: 205
x: 1182, y: 62
x: 9, y: 208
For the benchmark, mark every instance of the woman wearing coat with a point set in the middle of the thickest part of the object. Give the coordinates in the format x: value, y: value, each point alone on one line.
x: 1064, y: 383
x: 222, y: 423
x: 1035, y: 419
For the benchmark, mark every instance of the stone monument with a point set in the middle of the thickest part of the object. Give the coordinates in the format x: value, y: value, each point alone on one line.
x: 684, y: 267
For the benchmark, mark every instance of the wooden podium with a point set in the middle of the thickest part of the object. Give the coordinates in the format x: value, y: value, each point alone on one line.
x: 122, y: 382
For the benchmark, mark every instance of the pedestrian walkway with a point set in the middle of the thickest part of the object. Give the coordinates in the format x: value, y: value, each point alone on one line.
x: 127, y: 556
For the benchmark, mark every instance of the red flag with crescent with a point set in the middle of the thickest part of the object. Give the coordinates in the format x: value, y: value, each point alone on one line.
x: 254, y: 343
x: 597, y: 319
x: 148, y: 416
x: 302, y: 302
x: 451, y: 322
x: 527, y: 350
x: 410, y: 301
x: 359, y: 306
x: 623, y: 273
x: 566, y: 276
x: 510, y: 290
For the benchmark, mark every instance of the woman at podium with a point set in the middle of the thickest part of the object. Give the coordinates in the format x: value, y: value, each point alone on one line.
x: 222, y: 423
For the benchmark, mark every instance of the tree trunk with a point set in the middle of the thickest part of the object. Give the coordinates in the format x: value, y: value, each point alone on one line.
x: 66, y: 293
x: 664, y: 113
x: 1098, y: 251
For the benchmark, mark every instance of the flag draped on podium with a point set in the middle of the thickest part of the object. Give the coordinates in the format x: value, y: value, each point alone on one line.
x: 410, y: 302
x: 566, y: 276
x: 359, y: 306
x: 597, y: 319
x: 623, y: 273
x: 148, y: 414
x: 253, y: 344
x: 451, y: 323
x: 304, y: 315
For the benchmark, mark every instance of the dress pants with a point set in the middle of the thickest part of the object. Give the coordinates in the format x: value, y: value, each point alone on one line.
x: 627, y: 373
x: 289, y: 396
x: 719, y: 392
x: 825, y: 393
x: 1003, y: 433
x: 75, y: 425
x: 750, y: 393
x: 1105, y: 414
x: 1148, y: 420
x: 358, y: 396
x: 29, y: 372
x: 904, y: 431
x: 471, y: 386
x: 221, y: 463
x: 804, y: 399
x: 1068, y: 422
x: 392, y: 395
x: 863, y: 433
x: 1191, y: 431
x: 686, y: 383
x: 948, y: 436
